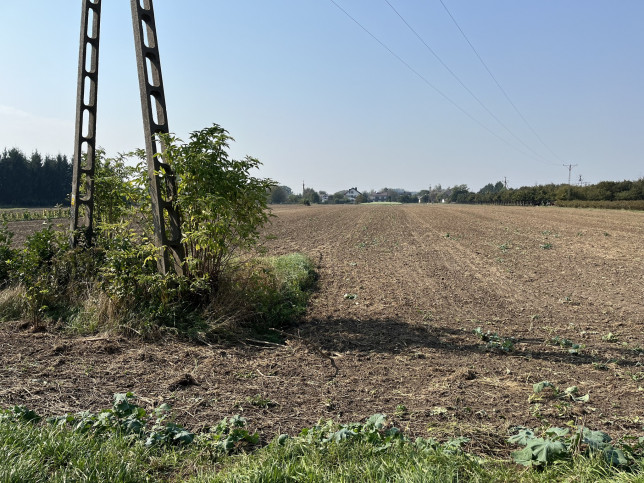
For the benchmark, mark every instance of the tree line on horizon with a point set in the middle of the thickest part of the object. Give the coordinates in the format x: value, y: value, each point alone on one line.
x: 627, y: 193
x: 34, y: 180
x: 46, y: 181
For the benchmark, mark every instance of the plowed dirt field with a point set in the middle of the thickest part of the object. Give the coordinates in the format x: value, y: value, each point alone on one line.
x: 391, y: 329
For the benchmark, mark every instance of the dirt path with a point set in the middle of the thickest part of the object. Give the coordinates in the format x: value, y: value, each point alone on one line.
x: 424, y: 278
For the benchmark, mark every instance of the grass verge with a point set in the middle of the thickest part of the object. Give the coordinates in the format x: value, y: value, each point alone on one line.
x: 127, y: 444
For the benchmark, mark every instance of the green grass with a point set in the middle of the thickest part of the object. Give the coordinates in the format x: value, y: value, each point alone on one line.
x: 42, y: 452
x: 33, y: 453
x: 380, y: 203
x: 295, y: 269
x: 282, y: 295
x: 128, y: 443
x: 407, y: 463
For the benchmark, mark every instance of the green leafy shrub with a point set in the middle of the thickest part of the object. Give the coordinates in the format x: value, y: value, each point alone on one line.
x: 6, y: 253
x: 33, y: 270
x: 113, y: 282
x: 222, y: 206
x: 119, y: 189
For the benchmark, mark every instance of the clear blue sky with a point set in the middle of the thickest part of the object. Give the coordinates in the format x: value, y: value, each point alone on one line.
x: 317, y: 99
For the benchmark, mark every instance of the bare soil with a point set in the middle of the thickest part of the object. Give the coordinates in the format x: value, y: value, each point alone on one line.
x: 22, y: 229
x: 401, y: 291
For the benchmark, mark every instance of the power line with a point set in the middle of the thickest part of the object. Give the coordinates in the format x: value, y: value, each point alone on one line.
x: 426, y: 81
x: 458, y: 79
x: 498, y: 83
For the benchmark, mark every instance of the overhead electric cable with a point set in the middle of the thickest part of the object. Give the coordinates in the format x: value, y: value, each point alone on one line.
x: 426, y: 81
x: 497, y: 82
x: 458, y: 79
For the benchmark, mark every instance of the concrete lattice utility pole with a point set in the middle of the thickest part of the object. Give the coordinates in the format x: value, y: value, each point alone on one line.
x: 82, y: 196
x: 163, y: 189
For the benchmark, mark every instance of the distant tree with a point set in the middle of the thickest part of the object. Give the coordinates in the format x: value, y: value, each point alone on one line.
x: 339, y: 198
x: 362, y: 198
x: 392, y: 194
x: 423, y: 196
x: 460, y: 194
x: 288, y: 190
x: 278, y: 195
x: 408, y: 198
x: 436, y: 194
x: 311, y: 195
x: 33, y: 181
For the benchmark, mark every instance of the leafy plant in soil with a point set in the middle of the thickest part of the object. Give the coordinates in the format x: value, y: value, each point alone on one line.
x: 557, y: 444
x: 127, y: 418
x: 569, y: 393
x: 566, y: 343
x: 495, y: 341
x: 228, y: 436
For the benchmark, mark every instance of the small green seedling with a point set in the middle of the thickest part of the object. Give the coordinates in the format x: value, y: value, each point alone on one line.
x: 260, y: 401
x: 563, y: 342
x: 610, y: 337
x: 401, y: 411
x: 495, y: 341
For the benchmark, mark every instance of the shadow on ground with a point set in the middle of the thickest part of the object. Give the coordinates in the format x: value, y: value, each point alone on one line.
x: 390, y: 336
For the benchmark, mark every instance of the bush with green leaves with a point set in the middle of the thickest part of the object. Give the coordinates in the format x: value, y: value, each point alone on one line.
x: 34, y: 269
x: 119, y: 189
x: 221, y: 205
x: 114, y: 279
x: 7, y: 253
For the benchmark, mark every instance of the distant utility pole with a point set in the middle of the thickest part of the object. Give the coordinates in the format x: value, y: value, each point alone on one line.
x: 505, y: 182
x: 302, y: 187
x: 570, y: 166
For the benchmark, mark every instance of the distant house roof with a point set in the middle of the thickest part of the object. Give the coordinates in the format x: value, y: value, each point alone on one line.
x: 352, y: 193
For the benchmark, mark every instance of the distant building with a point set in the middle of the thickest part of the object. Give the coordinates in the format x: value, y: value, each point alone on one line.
x: 352, y: 194
x: 382, y: 196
